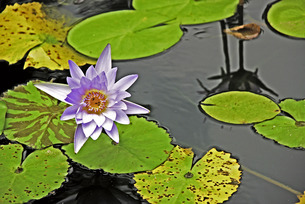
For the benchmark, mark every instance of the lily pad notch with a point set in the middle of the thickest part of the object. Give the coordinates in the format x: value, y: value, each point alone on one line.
x: 41, y: 172
x: 288, y: 130
x: 212, y: 179
x: 154, y: 26
x: 132, y: 34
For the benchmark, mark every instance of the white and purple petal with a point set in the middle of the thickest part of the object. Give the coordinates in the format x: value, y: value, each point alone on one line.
x: 99, y: 82
x: 104, y: 61
x: 88, y: 128
x: 111, y: 114
x: 133, y: 108
x: 111, y: 75
x: 70, y: 112
x: 91, y: 73
x: 58, y: 91
x: 73, y: 83
x: 117, y: 95
x: 125, y: 82
x: 74, y: 97
x: 85, y: 83
x: 118, y: 105
x: 107, y: 125
x: 87, y: 117
x: 121, y: 95
x: 99, y: 119
x: 75, y: 71
x: 113, y: 133
x: 97, y: 132
x: 79, y: 138
x: 121, y: 117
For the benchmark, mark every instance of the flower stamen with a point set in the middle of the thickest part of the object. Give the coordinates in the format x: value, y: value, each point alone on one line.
x: 95, y: 102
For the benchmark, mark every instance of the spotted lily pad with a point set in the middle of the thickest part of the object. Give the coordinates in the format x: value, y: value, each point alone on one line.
x: 287, y: 17
x: 3, y: 109
x: 240, y: 107
x: 286, y: 130
x: 301, y: 198
x: 26, y: 28
x: 132, y: 34
x: 143, y: 146
x: 33, y: 118
x: 40, y: 173
x: 213, y: 179
x: 189, y: 11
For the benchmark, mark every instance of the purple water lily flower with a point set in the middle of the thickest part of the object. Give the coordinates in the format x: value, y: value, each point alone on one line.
x: 97, y: 100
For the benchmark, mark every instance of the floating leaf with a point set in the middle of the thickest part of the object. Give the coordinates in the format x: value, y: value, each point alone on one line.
x: 295, y: 108
x: 3, y: 109
x: 33, y: 118
x: 301, y: 198
x: 189, y: 11
x: 213, y: 179
x: 26, y: 27
x: 245, y: 32
x: 132, y: 34
x: 287, y: 17
x: 286, y: 130
x: 40, y: 173
x: 143, y: 146
x: 240, y: 107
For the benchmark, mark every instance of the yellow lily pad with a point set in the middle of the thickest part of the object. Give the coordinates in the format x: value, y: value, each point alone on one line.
x: 213, y: 179
x: 301, y: 199
x: 26, y: 28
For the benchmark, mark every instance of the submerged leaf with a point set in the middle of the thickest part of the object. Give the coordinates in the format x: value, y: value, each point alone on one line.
x: 132, y: 34
x: 189, y: 11
x: 143, y: 146
x: 287, y: 17
x: 26, y: 28
x: 286, y: 130
x: 33, y: 118
x: 213, y: 179
x: 240, y: 107
x: 245, y: 32
x: 40, y: 173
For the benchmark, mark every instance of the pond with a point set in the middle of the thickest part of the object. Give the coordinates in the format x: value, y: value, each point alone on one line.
x: 170, y: 85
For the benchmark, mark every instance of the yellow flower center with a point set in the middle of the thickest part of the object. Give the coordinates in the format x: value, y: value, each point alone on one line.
x: 95, y: 102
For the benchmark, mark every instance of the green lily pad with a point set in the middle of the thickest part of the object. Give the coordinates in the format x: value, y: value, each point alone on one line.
x: 3, y: 109
x: 213, y: 179
x: 288, y: 131
x: 295, y: 108
x: 287, y: 17
x: 26, y: 28
x: 143, y: 146
x: 132, y: 34
x: 190, y: 11
x: 40, y: 173
x: 240, y: 107
x: 33, y: 118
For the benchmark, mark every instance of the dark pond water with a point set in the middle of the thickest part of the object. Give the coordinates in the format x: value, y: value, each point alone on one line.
x: 168, y: 85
